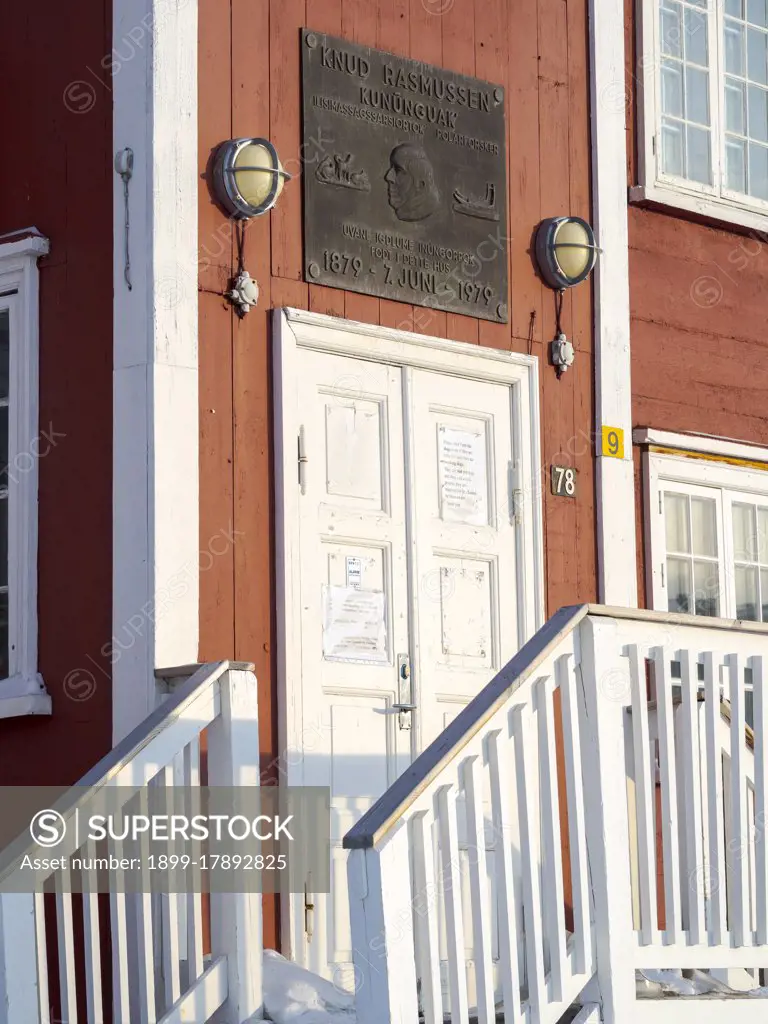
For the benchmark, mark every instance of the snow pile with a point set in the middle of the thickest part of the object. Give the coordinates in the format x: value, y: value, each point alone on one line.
x: 653, y: 984
x: 294, y: 995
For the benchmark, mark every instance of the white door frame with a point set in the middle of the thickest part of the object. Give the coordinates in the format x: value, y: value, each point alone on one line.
x: 295, y: 330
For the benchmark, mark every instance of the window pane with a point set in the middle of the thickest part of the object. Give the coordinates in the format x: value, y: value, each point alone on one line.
x: 706, y: 585
x: 756, y: 12
x: 704, y: 527
x: 671, y: 29
x: 758, y: 113
x: 679, y: 585
x: 764, y: 593
x: 758, y: 171
x: 698, y: 167
x: 4, y: 446
x: 735, y: 166
x: 757, y: 62
x: 672, y: 143
x: 744, y: 532
x: 735, y: 7
x: 676, y: 521
x: 4, y: 636
x: 762, y: 535
x: 734, y: 47
x: 696, y: 42
x: 697, y: 95
x: 734, y: 106
x: 3, y: 542
x: 4, y: 351
x: 746, y: 592
x: 672, y: 88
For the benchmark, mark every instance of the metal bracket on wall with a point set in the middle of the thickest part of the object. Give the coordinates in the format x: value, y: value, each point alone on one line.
x: 124, y: 167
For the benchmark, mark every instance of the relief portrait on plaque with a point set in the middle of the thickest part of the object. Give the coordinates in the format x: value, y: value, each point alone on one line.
x: 404, y: 170
x: 412, y: 191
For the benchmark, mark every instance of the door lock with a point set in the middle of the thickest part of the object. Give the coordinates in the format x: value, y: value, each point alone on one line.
x: 404, y: 703
x: 309, y: 914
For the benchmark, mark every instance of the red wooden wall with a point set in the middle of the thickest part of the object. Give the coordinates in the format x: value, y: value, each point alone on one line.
x: 250, y: 85
x: 697, y: 295
x: 56, y: 174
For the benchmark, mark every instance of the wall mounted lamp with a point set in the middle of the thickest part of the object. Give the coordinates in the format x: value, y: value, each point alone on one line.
x: 247, y: 180
x: 565, y: 253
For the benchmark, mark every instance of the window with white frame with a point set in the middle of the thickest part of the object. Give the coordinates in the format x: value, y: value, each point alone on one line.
x: 708, y: 533
x: 21, y: 446
x: 704, y: 71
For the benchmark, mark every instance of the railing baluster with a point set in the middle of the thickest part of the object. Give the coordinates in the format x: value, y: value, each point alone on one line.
x: 236, y: 923
x: 41, y: 950
x: 694, y: 859
x: 92, y: 936
x: 425, y: 906
x: 169, y: 903
x: 645, y: 797
x: 121, y: 998
x: 577, y: 833
x: 669, y: 811
x: 450, y: 870
x: 145, y: 986
x: 717, y: 923
x: 552, y: 852
x: 66, y: 945
x: 527, y: 801
x: 478, y: 888
x: 23, y: 959
x: 503, y: 803
x: 194, y: 897
x: 382, y: 922
x: 760, y: 698
x: 739, y: 899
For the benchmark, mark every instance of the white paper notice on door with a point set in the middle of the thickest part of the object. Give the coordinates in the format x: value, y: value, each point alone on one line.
x: 354, y: 627
x: 462, y: 476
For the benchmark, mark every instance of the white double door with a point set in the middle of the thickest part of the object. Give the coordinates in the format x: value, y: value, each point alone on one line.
x: 408, y: 588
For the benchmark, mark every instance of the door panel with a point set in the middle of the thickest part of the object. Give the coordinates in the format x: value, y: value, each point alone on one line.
x: 407, y: 554
x: 354, y: 616
x: 461, y: 448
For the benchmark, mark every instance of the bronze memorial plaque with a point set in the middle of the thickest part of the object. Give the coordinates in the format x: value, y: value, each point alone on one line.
x: 405, y: 190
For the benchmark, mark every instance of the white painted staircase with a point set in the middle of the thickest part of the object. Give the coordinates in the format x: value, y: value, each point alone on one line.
x: 595, y: 816
x: 587, y: 817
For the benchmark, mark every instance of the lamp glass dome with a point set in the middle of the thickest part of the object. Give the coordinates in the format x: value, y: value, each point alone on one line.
x: 565, y: 251
x: 253, y: 169
x: 574, y: 249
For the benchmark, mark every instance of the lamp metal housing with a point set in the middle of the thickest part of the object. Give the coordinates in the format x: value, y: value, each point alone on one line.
x: 225, y: 177
x: 550, y: 239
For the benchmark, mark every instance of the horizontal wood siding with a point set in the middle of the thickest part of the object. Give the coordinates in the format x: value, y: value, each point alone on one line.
x: 250, y: 84
x: 56, y: 174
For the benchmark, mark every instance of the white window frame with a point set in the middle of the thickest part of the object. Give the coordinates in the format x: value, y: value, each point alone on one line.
x: 713, y: 201
x: 704, y: 477
x: 23, y: 692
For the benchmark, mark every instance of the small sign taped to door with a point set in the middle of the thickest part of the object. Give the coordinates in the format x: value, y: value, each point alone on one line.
x: 462, y: 476
x: 354, y: 572
x: 354, y: 625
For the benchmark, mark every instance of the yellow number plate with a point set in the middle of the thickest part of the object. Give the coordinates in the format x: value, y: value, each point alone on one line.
x: 613, y: 442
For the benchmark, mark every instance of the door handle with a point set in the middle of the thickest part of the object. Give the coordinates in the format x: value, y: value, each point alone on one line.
x: 404, y: 703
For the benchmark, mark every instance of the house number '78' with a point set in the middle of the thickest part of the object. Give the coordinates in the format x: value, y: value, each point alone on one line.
x: 564, y: 481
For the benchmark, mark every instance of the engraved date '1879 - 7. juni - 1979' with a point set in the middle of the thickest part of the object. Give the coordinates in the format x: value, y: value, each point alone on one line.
x: 404, y: 169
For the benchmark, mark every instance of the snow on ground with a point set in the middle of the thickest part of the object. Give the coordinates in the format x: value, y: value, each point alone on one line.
x: 294, y: 995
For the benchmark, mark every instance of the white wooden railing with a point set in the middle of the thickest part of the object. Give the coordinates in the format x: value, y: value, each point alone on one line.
x: 59, y: 956
x: 515, y: 866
